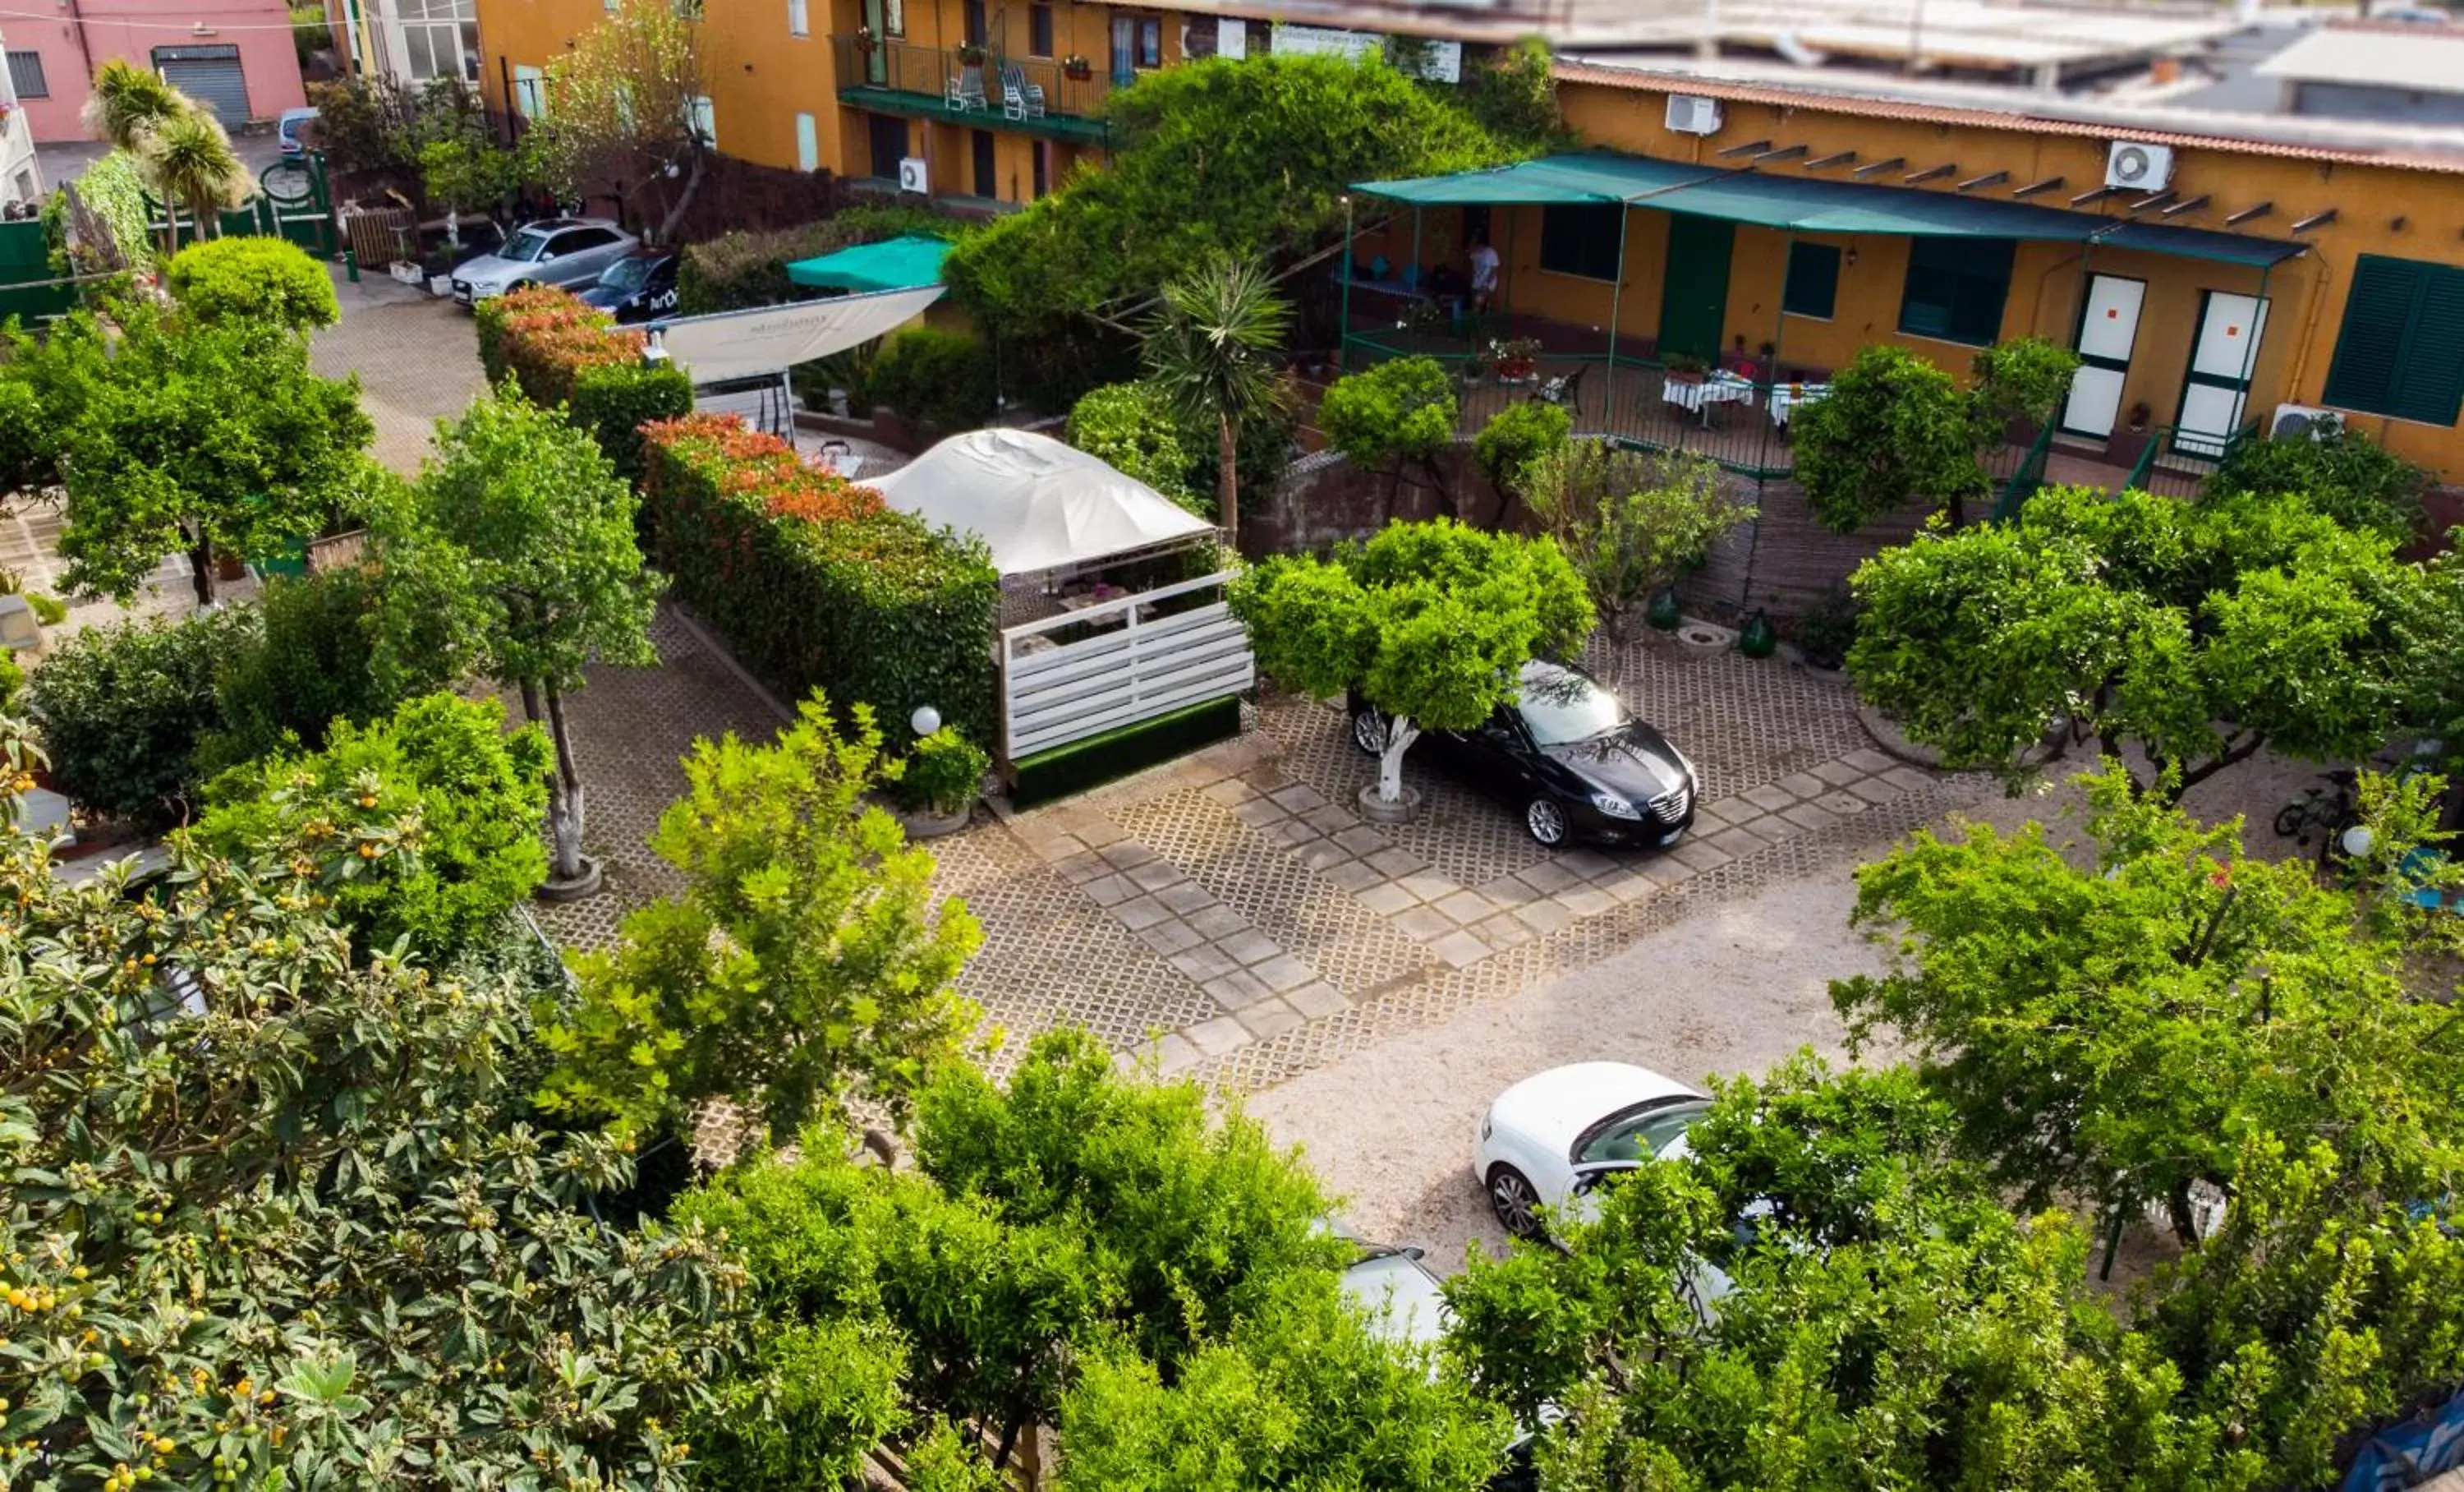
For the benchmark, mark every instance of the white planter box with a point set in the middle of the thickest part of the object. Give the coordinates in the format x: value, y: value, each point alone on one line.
x: 408, y: 272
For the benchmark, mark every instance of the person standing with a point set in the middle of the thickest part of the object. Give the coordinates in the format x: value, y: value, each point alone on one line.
x: 1484, y: 277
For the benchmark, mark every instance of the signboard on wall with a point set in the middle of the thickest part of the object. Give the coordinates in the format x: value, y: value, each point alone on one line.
x: 1441, y: 60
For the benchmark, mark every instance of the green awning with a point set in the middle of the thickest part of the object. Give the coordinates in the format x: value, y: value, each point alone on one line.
x: 901, y: 263
x: 1809, y: 205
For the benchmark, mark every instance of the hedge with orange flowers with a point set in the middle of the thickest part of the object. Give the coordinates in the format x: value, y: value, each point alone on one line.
x: 814, y: 583
x: 559, y: 349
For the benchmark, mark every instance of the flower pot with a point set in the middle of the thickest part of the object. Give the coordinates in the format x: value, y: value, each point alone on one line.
x: 928, y: 823
x: 1663, y: 611
x: 1704, y: 638
x: 1078, y: 75
x: 1758, y: 640
x: 592, y: 875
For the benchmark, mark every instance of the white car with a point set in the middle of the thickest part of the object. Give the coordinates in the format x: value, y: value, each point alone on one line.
x: 1404, y: 1302
x: 1550, y: 1139
x: 555, y: 251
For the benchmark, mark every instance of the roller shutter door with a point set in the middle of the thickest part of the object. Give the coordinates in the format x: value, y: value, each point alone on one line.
x: 209, y: 75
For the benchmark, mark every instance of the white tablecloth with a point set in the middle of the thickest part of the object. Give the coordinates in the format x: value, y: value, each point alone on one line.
x: 1719, y: 388
x: 1786, y: 397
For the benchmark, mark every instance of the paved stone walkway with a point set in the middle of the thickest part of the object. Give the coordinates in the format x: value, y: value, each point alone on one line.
x: 1229, y: 916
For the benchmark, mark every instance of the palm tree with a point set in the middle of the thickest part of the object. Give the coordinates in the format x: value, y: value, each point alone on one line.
x: 189, y: 163
x: 1210, y: 348
x: 129, y: 104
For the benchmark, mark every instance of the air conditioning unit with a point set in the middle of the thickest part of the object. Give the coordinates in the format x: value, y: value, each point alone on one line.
x: 2133, y: 166
x: 2302, y: 422
x: 1690, y: 115
x: 913, y: 177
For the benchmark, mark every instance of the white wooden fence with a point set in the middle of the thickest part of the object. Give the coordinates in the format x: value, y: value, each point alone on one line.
x: 1138, y: 665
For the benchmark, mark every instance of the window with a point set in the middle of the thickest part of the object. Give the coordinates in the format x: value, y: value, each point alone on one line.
x: 26, y: 75
x: 808, y: 144
x: 1039, y: 30
x: 1955, y: 289
x: 1149, y: 41
x: 530, y: 92
x: 1580, y: 238
x: 799, y: 20
x: 703, y: 117
x: 1640, y: 1135
x: 894, y: 18
x: 974, y: 22
x: 988, y: 165
x: 1812, y: 287
x: 2401, y: 351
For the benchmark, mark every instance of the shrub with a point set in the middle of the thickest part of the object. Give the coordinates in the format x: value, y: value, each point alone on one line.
x: 815, y: 585
x: 1514, y: 438
x: 122, y: 709
x: 939, y: 378
x: 1134, y: 429
x: 2343, y: 473
x: 736, y: 271
x: 439, y: 807
x: 943, y: 773
x: 311, y: 662
x: 558, y: 349
x: 1895, y: 429
x: 1828, y: 628
x: 265, y: 279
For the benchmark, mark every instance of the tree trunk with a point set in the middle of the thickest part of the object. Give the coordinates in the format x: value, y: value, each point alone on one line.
x: 201, y: 571
x: 1227, y: 480
x: 1956, y: 506
x: 2177, y: 1204
x: 1400, y: 733
x: 564, y: 805
x: 683, y: 199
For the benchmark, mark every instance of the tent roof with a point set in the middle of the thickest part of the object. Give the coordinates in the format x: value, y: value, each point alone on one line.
x: 1810, y: 204
x: 898, y: 263
x: 768, y: 340
x: 1039, y: 505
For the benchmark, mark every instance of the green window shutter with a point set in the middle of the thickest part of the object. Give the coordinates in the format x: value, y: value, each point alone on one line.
x: 1812, y: 286
x: 1581, y: 239
x: 1956, y: 288
x: 2400, y: 351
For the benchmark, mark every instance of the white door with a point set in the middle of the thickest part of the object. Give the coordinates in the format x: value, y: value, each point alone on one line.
x: 2221, y: 363
x: 2108, y: 330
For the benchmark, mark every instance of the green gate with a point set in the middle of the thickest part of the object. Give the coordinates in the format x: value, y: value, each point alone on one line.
x: 293, y: 201
x: 30, y: 289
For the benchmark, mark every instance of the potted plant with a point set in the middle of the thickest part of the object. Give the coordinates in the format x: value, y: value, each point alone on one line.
x: 1826, y: 632
x: 1516, y: 359
x: 937, y: 784
x: 972, y: 54
x: 1685, y: 368
x: 2139, y: 415
x: 864, y: 40
x: 1076, y: 69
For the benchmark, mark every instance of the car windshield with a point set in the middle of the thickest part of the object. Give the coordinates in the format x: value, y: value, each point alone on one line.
x: 626, y: 275
x: 1640, y: 1135
x: 1560, y: 708
x: 524, y: 246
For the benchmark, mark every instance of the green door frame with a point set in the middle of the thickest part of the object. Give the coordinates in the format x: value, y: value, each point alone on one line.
x: 1694, y: 287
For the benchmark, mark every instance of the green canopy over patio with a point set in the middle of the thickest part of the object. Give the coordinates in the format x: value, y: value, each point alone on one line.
x: 900, y: 263
x: 1808, y: 205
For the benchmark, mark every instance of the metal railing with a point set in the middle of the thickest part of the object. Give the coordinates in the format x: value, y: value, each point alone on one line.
x: 2169, y: 469
x: 965, y: 87
x: 2016, y: 487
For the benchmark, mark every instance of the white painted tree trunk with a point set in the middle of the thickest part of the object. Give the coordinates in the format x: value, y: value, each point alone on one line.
x: 1400, y: 733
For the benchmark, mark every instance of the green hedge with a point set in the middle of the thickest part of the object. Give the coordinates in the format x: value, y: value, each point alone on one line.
x: 613, y: 403
x: 939, y: 378
x: 874, y: 608
x: 558, y: 349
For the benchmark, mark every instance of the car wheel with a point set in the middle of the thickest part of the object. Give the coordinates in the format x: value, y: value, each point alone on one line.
x: 1516, y: 1205
x: 1546, y: 822
x: 1369, y: 730
x: 521, y: 285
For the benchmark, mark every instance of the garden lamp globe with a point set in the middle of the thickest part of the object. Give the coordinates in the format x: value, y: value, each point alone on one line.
x: 2358, y: 839
x: 926, y: 720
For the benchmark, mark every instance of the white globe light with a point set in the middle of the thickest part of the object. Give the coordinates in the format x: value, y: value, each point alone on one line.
x: 2357, y: 841
x: 926, y: 720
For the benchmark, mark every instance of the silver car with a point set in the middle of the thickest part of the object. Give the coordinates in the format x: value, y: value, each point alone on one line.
x: 556, y: 250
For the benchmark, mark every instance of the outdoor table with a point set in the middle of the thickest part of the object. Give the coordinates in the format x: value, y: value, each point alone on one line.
x: 1721, y: 387
x: 1786, y: 397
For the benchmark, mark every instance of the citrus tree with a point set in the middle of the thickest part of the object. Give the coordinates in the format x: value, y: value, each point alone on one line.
x: 1430, y: 623
x: 1632, y: 522
x: 627, y: 109
x: 1396, y: 417
x: 2194, y: 634
x: 516, y: 543
x: 805, y: 964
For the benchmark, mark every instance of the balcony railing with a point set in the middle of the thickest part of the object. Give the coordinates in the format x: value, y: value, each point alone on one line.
x: 936, y: 72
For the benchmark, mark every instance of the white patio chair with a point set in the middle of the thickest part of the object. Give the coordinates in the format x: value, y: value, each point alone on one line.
x: 967, y: 90
x: 1021, y: 99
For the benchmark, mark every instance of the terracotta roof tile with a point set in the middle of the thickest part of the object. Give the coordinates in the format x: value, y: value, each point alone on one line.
x: 2015, y: 119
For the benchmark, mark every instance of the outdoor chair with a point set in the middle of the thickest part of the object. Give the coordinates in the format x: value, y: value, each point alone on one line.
x: 1021, y: 99
x: 967, y: 90
x: 1565, y: 391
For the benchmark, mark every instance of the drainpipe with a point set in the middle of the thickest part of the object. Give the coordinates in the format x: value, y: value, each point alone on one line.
x: 2309, y: 329
x: 360, y: 22
x: 85, y: 52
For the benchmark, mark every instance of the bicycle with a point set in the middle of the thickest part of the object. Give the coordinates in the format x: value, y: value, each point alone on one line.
x: 2328, y: 809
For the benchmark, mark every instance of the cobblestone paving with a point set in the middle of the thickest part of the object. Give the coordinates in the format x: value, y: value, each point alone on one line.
x: 418, y: 362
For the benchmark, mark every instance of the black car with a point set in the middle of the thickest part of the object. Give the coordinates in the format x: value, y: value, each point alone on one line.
x: 1570, y: 755
x: 638, y: 287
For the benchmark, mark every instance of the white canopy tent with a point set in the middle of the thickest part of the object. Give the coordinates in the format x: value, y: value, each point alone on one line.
x: 1039, y: 505
x: 734, y: 350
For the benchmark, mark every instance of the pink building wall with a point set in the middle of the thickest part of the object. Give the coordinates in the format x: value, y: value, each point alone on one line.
x: 132, y: 28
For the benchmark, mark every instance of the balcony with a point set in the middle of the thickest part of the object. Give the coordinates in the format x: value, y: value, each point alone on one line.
x: 894, y: 77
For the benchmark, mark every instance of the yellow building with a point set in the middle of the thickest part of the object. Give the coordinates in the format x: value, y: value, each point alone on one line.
x: 2206, y: 281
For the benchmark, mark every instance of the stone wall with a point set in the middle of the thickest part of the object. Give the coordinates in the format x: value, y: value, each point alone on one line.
x: 1784, y: 561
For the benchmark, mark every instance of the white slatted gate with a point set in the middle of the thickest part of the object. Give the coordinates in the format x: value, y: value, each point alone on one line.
x: 1138, y: 666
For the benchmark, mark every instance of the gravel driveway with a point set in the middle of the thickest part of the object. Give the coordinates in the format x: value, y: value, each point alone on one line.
x: 1734, y: 989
